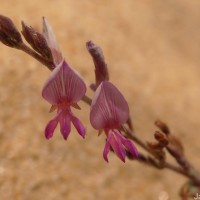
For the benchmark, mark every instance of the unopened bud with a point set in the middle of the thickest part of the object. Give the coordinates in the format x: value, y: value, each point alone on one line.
x: 162, y: 126
x: 101, y: 70
x: 161, y: 138
x: 36, y: 40
x: 9, y: 35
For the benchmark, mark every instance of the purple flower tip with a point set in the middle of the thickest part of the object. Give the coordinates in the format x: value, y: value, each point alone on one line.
x: 89, y: 44
x: 79, y: 126
x: 119, y: 145
x: 50, y: 127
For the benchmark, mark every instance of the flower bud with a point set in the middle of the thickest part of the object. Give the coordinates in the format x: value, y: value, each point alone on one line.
x: 36, y: 40
x: 101, y: 70
x: 162, y: 126
x: 9, y: 35
x: 161, y: 138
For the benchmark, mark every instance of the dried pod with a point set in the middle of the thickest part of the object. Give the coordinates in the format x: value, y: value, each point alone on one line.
x: 9, y: 35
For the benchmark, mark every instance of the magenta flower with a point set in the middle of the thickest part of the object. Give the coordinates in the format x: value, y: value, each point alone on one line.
x: 64, y: 89
x: 109, y: 110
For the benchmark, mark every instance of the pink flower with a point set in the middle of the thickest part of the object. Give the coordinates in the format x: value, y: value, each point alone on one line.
x: 109, y: 110
x: 64, y: 89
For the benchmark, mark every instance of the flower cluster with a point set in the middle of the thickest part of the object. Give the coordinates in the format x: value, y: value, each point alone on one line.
x: 109, y: 111
x: 63, y: 90
x: 65, y: 87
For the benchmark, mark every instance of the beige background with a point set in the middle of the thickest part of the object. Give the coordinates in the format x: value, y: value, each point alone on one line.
x: 152, y: 48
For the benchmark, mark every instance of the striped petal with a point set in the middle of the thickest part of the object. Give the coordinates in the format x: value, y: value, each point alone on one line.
x: 127, y: 144
x: 109, y: 108
x: 117, y: 146
x: 64, y: 84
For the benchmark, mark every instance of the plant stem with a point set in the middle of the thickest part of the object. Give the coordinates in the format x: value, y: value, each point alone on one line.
x: 87, y: 100
x: 28, y: 50
x: 191, y: 173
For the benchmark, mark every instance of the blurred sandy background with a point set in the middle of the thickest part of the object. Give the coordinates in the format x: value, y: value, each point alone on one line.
x: 152, y: 48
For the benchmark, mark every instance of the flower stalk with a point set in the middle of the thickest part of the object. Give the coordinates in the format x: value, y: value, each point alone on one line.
x: 109, y: 110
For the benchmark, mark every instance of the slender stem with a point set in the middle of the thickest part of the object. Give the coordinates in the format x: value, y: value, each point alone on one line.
x: 35, y: 55
x: 191, y: 173
x: 87, y: 100
x: 151, y: 162
x: 175, y: 168
x: 194, y: 177
x: 130, y: 124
